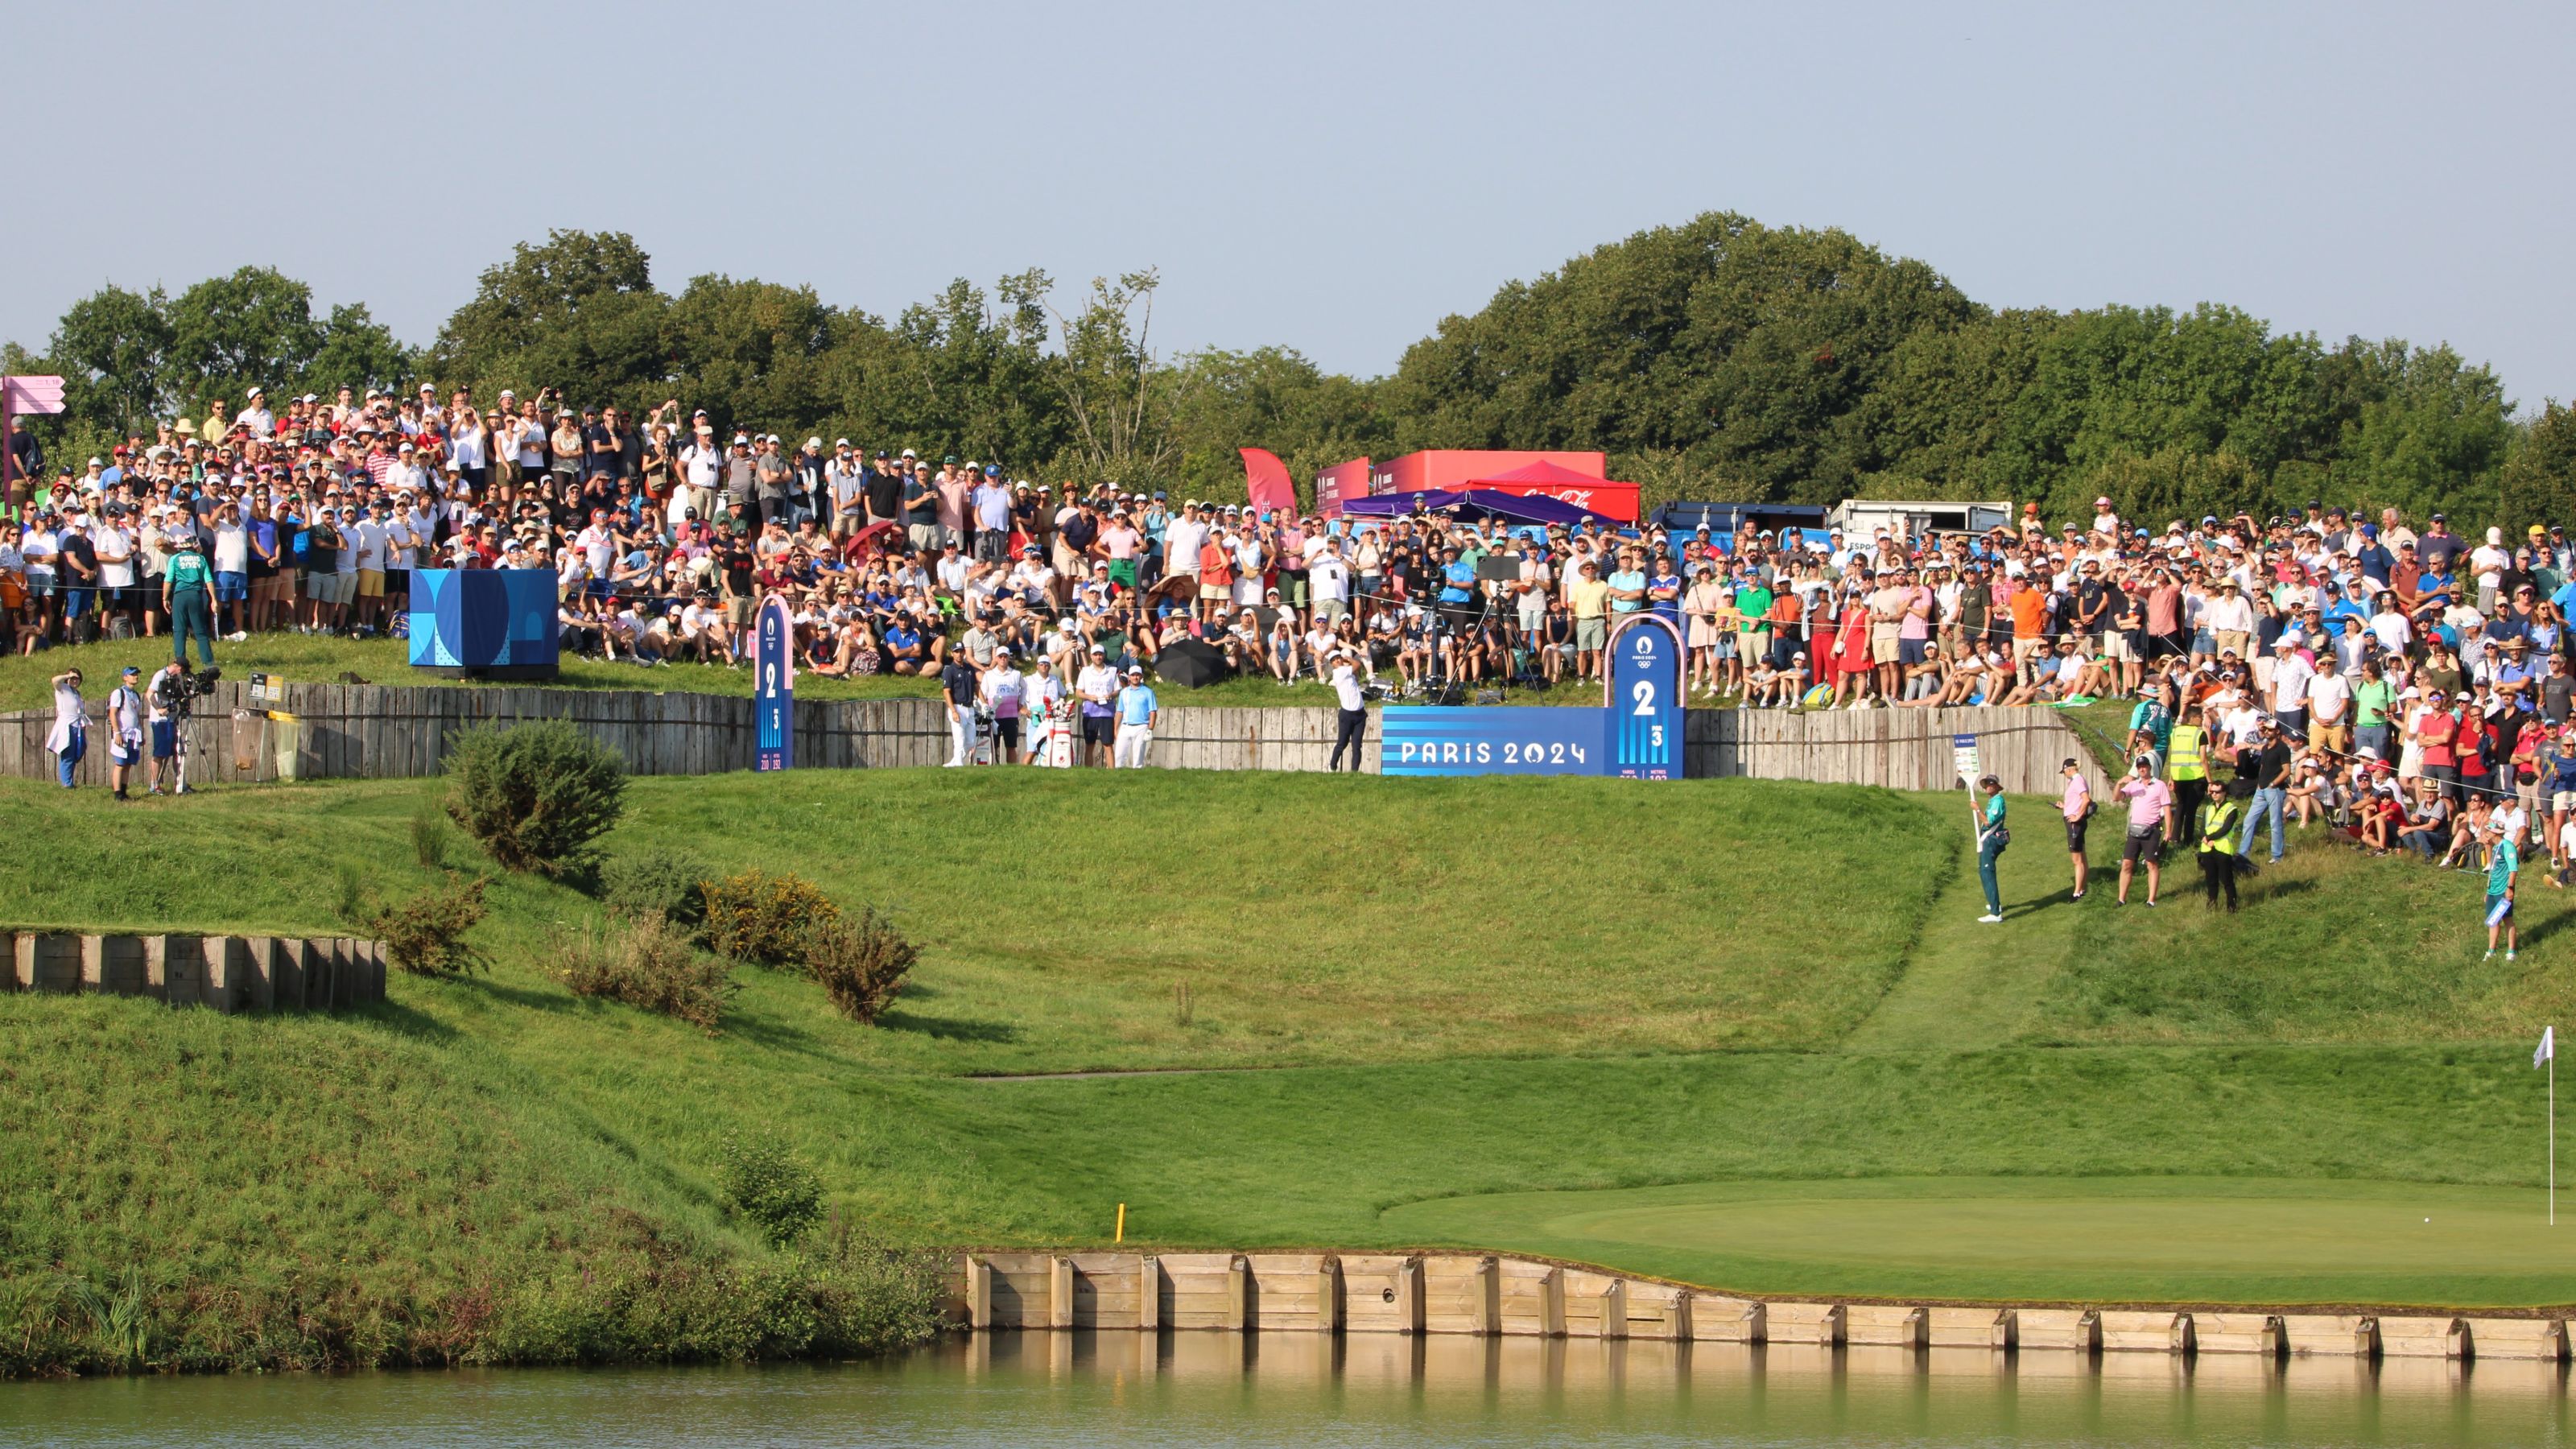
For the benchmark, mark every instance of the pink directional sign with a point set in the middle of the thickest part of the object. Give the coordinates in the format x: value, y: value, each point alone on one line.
x: 31, y: 395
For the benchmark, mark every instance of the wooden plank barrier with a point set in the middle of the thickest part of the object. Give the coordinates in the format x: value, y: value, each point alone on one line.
x: 1204, y: 1291
x: 1811, y: 1325
x: 1461, y: 1294
x: 1883, y: 1325
x: 2544, y: 1339
x: 227, y: 973
x: 2422, y: 1337
x: 1448, y: 1296
x: 1297, y: 1292
x: 1381, y: 1293
x: 1988, y: 1328
x: 1529, y: 1298
x: 2077, y: 1329
x: 2330, y: 1334
x: 2237, y: 1333
x: 355, y: 731
x: 1715, y: 1319
x: 2145, y: 1331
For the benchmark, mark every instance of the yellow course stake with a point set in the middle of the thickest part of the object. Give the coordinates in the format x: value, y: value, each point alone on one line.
x: 1122, y: 1223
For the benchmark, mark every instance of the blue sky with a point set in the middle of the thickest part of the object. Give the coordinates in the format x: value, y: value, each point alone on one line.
x: 1331, y: 177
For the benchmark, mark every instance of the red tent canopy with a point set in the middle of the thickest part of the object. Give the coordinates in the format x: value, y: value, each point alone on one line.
x: 1546, y: 479
x: 1541, y: 474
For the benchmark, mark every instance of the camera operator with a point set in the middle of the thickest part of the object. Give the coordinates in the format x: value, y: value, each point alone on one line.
x: 188, y: 596
x: 167, y: 699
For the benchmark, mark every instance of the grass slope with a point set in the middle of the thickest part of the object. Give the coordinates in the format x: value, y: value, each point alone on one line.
x: 1474, y: 988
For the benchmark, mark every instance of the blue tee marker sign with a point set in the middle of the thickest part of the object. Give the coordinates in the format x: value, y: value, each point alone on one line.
x: 773, y: 708
x: 1645, y: 699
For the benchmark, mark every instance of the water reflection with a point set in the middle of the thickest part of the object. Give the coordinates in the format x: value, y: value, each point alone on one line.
x: 1127, y: 1389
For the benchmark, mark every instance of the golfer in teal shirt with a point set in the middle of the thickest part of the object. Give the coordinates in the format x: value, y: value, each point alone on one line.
x: 1137, y: 714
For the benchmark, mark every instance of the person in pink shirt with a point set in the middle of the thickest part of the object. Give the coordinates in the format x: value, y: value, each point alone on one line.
x: 2076, y: 804
x: 2151, y: 825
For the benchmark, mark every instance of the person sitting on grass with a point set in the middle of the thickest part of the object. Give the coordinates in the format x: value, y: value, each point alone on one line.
x: 2427, y: 827
x: 2379, y: 814
x: 2468, y: 835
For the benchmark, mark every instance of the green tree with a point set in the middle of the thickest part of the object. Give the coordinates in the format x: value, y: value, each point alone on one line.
x: 2419, y: 429
x: 750, y: 352
x: 2537, y: 483
x: 357, y: 352
x: 578, y: 312
x: 252, y: 328
x: 112, y: 349
x: 1270, y: 397
x: 1742, y: 347
x: 1106, y: 375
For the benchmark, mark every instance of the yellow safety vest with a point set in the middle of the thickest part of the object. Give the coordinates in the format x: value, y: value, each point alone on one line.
x: 2183, y: 753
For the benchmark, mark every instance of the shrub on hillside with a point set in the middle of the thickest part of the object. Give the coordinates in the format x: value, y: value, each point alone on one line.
x: 769, y: 1186
x: 861, y: 963
x: 765, y: 919
x: 649, y: 963
x: 656, y: 882
x: 536, y: 796
x: 426, y: 934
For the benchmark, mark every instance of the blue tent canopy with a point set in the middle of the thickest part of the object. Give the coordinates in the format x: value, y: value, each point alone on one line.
x: 1478, y: 503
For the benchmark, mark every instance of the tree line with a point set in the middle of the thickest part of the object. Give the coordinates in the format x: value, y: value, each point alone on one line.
x: 1718, y: 359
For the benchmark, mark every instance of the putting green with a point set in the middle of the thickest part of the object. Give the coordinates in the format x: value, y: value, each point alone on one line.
x: 2165, y: 1239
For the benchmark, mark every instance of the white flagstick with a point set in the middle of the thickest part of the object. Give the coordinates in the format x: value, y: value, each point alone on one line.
x: 2548, y: 1053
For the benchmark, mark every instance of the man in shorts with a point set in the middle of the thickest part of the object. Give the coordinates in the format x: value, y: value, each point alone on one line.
x: 1589, y: 597
x: 1097, y: 687
x: 2076, y: 804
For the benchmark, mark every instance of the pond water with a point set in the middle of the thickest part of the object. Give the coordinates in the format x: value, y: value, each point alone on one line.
x: 1125, y: 1389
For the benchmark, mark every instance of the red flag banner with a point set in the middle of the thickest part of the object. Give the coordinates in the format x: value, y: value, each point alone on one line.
x: 1266, y: 480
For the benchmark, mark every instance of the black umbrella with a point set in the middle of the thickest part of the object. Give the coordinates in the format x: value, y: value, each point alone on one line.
x: 1191, y: 664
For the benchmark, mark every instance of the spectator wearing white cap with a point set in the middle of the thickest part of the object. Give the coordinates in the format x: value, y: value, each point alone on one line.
x: 1138, y: 713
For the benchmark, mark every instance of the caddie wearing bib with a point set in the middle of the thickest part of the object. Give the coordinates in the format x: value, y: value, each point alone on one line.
x: 188, y: 595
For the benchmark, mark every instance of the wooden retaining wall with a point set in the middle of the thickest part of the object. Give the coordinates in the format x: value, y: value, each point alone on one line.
x: 1498, y: 1295
x: 365, y: 731
x: 228, y: 973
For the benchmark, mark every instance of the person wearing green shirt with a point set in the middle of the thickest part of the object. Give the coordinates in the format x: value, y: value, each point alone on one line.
x: 188, y: 597
x: 1753, y: 622
x: 2502, y: 861
x: 2372, y: 698
x: 1992, y: 837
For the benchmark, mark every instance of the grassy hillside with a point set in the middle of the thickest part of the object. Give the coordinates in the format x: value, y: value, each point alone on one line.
x: 1467, y: 988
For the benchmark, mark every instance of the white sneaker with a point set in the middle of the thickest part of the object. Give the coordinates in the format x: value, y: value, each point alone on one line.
x: 1988, y: 919
x: 237, y: 637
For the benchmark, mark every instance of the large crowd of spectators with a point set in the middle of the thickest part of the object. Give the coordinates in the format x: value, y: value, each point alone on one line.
x: 2411, y: 680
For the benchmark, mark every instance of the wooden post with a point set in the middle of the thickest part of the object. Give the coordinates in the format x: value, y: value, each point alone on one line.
x: 1614, y: 1309
x: 1238, y: 1281
x: 1328, y: 1295
x: 258, y: 973
x: 979, y: 1293
x: 1149, y: 1293
x: 220, y: 974
x: 1059, y: 1292
x: 93, y: 964
x: 1551, y: 1303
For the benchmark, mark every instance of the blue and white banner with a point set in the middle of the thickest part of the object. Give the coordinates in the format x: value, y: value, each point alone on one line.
x: 1503, y: 740
x: 1645, y: 699
x: 773, y: 705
